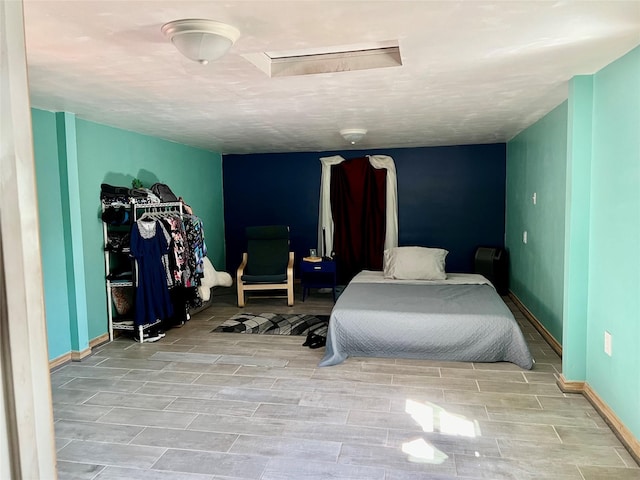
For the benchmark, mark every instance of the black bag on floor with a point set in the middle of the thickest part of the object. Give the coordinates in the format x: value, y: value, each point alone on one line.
x: 315, y: 341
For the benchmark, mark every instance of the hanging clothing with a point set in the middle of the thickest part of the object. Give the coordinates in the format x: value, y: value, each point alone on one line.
x: 197, y: 250
x: 178, y: 248
x: 149, y: 246
x: 358, y: 205
x: 325, y: 219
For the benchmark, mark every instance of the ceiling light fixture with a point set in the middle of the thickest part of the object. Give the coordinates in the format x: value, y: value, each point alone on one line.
x: 353, y: 135
x: 201, y: 40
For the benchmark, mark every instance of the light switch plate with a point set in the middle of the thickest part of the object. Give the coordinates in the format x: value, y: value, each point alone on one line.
x: 607, y: 343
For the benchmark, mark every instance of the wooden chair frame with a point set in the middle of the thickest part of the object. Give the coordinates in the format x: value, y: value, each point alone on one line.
x: 244, y: 287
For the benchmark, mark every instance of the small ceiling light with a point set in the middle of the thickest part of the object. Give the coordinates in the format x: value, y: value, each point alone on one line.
x: 201, y: 40
x: 353, y: 135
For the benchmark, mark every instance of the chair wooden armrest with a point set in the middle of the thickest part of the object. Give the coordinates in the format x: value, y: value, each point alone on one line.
x: 290, y: 279
x: 239, y: 283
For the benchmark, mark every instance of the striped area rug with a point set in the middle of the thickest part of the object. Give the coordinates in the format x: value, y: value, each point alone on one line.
x: 275, y: 324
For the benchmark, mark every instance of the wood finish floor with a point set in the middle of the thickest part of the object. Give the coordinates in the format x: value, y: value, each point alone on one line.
x: 199, y: 405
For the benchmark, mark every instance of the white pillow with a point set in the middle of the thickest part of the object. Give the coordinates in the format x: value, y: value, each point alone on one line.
x: 415, y: 263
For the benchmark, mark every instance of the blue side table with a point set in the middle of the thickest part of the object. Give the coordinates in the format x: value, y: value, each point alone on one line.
x: 318, y: 275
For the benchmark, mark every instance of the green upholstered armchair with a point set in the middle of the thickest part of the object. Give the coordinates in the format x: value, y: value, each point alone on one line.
x: 267, y: 264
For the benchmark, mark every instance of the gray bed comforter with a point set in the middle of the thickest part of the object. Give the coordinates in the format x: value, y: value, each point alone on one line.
x: 453, y: 321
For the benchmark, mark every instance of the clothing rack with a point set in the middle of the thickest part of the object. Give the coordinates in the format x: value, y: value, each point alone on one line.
x: 157, y: 207
x: 136, y: 211
x: 184, y: 263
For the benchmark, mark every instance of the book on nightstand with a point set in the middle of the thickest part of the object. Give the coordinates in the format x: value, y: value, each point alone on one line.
x: 312, y: 259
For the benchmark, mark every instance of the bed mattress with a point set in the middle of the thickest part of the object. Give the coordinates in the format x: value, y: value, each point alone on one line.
x: 458, y: 319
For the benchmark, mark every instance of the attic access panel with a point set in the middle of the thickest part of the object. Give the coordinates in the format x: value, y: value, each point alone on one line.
x: 327, y: 60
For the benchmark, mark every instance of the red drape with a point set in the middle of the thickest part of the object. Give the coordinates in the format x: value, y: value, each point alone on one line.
x: 358, y: 206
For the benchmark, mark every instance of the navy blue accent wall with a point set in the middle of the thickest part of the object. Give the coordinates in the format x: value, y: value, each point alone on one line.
x: 448, y: 197
x: 270, y: 189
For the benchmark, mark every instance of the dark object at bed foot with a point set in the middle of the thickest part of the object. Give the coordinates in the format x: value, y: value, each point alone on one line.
x: 315, y: 341
x: 493, y: 263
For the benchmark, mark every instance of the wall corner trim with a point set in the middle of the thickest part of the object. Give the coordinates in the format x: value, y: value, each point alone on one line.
x: 59, y: 361
x: 104, y: 338
x: 631, y: 443
x: 75, y: 355
x: 553, y: 343
x: 569, y: 386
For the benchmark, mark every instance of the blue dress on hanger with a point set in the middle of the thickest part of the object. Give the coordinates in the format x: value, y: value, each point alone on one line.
x: 148, y: 246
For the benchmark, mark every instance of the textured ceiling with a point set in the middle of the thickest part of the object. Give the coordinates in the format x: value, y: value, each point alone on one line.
x: 473, y: 71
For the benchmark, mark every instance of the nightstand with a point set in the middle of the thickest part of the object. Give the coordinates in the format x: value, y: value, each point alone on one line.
x: 318, y: 275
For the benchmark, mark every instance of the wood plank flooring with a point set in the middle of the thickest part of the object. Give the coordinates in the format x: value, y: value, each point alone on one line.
x: 198, y: 405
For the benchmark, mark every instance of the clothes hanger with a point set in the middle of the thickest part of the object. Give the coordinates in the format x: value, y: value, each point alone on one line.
x: 146, y: 217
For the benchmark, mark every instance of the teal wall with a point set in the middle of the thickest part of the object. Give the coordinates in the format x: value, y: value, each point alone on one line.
x: 72, y: 225
x: 614, y: 240
x: 536, y: 163
x: 52, y: 235
x: 576, y: 258
x: 584, y: 278
x: 110, y: 155
x: 73, y: 157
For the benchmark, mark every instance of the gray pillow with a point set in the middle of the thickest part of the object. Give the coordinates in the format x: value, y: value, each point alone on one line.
x: 415, y: 263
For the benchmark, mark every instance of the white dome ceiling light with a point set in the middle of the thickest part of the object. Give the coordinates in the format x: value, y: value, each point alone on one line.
x: 200, y: 40
x: 353, y: 135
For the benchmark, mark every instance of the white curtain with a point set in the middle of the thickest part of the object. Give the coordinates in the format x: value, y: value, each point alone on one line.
x: 325, y: 219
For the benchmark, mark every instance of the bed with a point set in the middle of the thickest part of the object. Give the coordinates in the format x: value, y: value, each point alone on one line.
x: 457, y: 318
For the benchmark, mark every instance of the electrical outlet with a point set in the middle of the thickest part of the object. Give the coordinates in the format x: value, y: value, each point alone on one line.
x: 524, y: 237
x: 607, y: 343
